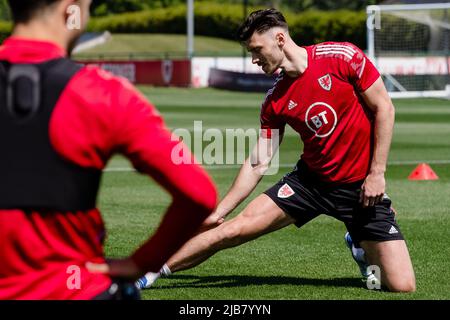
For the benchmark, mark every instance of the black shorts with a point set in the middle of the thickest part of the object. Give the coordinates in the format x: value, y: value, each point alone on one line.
x: 303, y: 196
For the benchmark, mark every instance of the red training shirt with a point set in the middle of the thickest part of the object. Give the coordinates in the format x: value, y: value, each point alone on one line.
x: 324, y: 107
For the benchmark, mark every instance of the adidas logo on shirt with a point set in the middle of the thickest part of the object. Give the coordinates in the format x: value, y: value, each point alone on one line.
x: 393, y: 230
x: 292, y: 105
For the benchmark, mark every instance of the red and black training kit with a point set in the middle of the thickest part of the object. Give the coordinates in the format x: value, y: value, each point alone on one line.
x: 34, y: 175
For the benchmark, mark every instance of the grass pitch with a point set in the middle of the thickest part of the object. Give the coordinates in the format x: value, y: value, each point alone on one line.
x: 161, y: 46
x: 307, y: 263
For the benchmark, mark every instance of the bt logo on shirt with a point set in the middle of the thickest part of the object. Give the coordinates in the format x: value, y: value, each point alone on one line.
x: 321, y: 119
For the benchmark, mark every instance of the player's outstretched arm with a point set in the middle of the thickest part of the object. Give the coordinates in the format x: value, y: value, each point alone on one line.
x: 248, y: 177
x: 143, y: 138
x: 198, y: 248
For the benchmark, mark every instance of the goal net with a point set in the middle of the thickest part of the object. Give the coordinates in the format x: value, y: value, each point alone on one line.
x: 410, y: 45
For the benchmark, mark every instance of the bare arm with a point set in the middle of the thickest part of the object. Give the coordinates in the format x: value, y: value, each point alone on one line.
x: 139, y: 133
x: 248, y: 178
x: 379, y: 102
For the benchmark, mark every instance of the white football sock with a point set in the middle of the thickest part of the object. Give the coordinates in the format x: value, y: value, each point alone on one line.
x: 165, y: 271
x: 151, y: 278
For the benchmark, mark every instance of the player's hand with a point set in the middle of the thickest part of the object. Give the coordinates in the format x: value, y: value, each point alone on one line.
x: 372, y: 190
x: 394, y: 211
x: 117, y: 268
x: 213, y: 220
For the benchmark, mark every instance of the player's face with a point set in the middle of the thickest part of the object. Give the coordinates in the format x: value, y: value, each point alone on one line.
x: 266, y: 51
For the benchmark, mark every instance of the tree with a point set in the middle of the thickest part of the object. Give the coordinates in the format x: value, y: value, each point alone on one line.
x: 4, y: 10
x: 106, y: 7
x: 301, y: 5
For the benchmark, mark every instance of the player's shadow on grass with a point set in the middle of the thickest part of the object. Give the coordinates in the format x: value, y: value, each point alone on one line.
x: 189, y: 281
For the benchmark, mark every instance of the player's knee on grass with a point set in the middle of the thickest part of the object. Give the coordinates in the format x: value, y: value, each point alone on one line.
x: 401, y: 284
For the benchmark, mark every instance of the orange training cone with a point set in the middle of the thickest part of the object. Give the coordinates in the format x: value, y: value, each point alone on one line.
x: 423, y: 172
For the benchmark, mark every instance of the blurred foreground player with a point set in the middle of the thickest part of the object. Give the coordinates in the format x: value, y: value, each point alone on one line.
x: 333, y: 96
x: 59, y: 125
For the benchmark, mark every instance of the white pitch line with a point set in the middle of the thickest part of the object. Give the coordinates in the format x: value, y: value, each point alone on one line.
x: 286, y: 165
x: 407, y: 162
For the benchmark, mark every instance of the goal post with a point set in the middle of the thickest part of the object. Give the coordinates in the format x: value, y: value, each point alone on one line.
x: 410, y: 45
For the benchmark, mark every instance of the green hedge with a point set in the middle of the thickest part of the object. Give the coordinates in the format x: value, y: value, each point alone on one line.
x: 170, y: 20
x: 5, y: 30
x: 223, y: 20
x: 216, y: 20
x: 317, y: 26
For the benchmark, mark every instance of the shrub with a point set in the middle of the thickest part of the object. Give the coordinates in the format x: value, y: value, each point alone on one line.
x: 5, y: 30
x: 216, y: 20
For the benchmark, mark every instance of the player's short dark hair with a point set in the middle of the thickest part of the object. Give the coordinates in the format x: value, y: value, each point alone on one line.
x: 261, y: 21
x: 24, y: 10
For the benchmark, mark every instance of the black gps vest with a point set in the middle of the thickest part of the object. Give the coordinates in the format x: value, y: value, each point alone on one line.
x: 32, y: 175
